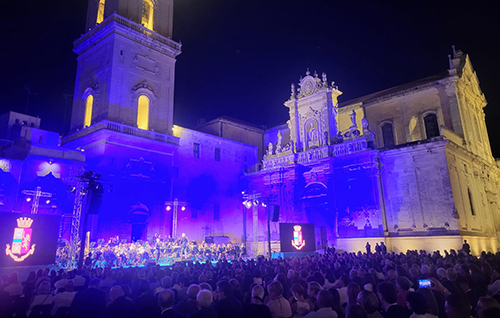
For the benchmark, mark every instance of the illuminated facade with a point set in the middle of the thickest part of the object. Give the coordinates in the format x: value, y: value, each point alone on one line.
x: 411, y: 165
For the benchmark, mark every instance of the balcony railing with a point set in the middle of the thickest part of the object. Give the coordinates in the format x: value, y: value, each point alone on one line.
x: 121, y: 128
x: 304, y: 157
x: 132, y: 25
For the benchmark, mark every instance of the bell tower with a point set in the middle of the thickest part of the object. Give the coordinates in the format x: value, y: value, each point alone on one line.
x: 126, y: 65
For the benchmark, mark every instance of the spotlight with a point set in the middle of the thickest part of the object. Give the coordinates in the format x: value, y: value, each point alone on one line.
x: 168, y: 207
x: 264, y: 205
x: 48, y: 201
x: 28, y: 199
x: 70, y: 189
x: 183, y: 208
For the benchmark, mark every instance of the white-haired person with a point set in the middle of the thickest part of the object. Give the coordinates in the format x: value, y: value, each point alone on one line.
x: 42, y: 297
x: 204, y: 301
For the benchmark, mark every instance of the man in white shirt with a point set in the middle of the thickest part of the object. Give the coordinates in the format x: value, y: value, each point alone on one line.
x: 65, y: 298
x: 325, y: 303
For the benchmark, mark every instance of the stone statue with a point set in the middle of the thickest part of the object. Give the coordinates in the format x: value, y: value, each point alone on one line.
x: 325, y: 81
x: 270, y: 149
x: 313, y: 134
x: 280, y: 138
x: 325, y: 138
x: 292, y: 96
x: 353, y: 118
x: 292, y: 145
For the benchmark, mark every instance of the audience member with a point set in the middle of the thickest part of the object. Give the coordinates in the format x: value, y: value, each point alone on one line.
x: 324, y: 302
x: 387, y: 293
x: 204, y: 300
x: 278, y: 305
x: 227, y: 306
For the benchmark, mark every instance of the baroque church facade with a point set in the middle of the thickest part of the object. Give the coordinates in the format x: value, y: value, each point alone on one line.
x: 410, y: 165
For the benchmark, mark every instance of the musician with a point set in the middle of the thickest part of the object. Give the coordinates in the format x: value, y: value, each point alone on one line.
x: 183, y: 243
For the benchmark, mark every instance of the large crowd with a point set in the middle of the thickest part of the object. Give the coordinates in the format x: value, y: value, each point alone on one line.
x: 416, y: 284
x: 158, y: 251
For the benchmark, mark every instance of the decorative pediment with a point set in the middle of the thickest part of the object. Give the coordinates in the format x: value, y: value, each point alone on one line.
x: 311, y: 84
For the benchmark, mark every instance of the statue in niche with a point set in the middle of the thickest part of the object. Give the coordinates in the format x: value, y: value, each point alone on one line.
x: 325, y: 138
x: 292, y: 145
x: 280, y: 138
x: 353, y: 118
x: 312, y: 133
x: 270, y: 149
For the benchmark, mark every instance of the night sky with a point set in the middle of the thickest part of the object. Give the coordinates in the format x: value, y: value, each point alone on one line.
x: 240, y: 57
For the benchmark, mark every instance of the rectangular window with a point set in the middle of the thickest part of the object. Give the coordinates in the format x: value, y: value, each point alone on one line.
x: 196, y: 150
x: 194, y: 213
x: 217, y: 154
x: 216, y: 212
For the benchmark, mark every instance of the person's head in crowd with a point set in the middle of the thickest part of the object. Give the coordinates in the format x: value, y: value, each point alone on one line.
x: 353, y: 273
x: 258, y: 294
x: 144, y: 286
x: 456, y: 307
x: 44, y: 288
x: 290, y: 274
x: 392, y: 275
x: 344, y: 281
x: 417, y: 303
x: 432, y: 305
x: 441, y: 273
x: 166, y: 299
x: 69, y: 286
x: 298, y: 291
x: 166, y: 282
x: 224, y: 289
x: 14, y: 278
x: 353, y: 290
x: 324, y: 299
x: 355, y: 311
x: 275, y: 290
x: 319, y: 278
x: 425, y: 270
x: 204, y: 298
x: 95, y: 283
x: 452, y: 274
x: 388, y: 293
x: 206, y: 286
x: 369, y: 301
x: 485, y: 303
x: 414, y: 272
x: 202, y: 279
x: 127, y: 291
x: 313, y: 289
x: 193, y: 291
x: 115, y: 292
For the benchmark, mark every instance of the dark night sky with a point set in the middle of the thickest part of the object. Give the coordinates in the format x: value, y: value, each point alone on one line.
x: 240, y: 57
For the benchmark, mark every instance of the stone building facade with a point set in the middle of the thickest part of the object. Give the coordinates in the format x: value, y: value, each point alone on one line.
x: 410, y: 165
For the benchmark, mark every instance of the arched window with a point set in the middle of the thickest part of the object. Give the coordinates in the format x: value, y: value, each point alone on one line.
x: 388, y: 135
x: 100, y: 11
x: 147, y: 14
x: 431, y: 126
x: 143, y: 112
x: 89, y: 102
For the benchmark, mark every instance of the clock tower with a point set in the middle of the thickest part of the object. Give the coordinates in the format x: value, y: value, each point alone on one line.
x: 126, y: 66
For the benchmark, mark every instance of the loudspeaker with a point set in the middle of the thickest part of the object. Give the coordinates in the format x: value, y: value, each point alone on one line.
x: 276, y: 213
x: 96, y: 194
